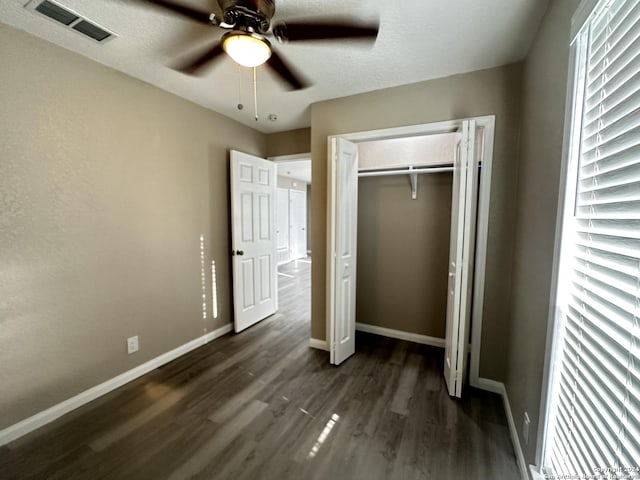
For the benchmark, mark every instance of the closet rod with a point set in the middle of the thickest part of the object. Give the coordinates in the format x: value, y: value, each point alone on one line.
x: 412, y: 172
x: 405, y: 171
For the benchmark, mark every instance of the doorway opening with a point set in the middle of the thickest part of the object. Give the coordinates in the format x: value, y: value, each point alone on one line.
x: 404, y: 220
x: 293, y: 220
x: 293, y: 214
x: 468, y: 234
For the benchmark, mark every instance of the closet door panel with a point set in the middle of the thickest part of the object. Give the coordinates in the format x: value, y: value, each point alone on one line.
x: 343, y: 250
x: 461, y: 258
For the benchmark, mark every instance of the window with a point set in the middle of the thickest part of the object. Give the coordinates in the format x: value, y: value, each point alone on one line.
x: 593, y: 421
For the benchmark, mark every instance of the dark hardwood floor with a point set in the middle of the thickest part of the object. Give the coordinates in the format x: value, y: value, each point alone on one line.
x: 263, y: 405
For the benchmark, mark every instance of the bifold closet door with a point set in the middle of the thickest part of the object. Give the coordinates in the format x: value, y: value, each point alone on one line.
x: 342, y: 249
x: 461, y: 257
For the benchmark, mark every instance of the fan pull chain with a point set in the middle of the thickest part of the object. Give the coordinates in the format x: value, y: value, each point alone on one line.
x: 240, y: 105
x: 255, y: 93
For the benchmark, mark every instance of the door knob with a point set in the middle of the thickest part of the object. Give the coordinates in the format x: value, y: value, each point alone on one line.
x: 240, y: 252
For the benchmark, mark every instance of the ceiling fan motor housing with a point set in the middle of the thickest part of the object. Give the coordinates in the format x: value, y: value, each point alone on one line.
x: 249, y: 22
x: 253, y: 14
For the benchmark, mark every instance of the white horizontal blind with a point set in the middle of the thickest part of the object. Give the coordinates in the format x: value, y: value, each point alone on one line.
x: 595, y: 428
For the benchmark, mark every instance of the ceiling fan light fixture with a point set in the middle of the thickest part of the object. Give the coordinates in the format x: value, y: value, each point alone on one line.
x: 246, y: 49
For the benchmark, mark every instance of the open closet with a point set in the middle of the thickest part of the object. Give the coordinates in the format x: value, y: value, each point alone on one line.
x: 407, y: 238
x: 404, y: 219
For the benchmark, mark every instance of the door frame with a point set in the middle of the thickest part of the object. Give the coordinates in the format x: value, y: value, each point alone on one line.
x: 281, y: 161
x: 487, y: 122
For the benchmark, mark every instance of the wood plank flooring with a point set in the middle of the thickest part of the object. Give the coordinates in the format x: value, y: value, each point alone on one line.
x: 263, y: 405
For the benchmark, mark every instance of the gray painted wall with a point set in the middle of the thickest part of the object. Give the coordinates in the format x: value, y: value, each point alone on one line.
x: 493, y: 91
x: 544, y: 92
x: 106, y: 184
x: 403, y: 253
x: 289, y: 142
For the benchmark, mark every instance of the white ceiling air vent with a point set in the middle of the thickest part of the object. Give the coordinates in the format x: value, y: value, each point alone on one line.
x: 70, y: 19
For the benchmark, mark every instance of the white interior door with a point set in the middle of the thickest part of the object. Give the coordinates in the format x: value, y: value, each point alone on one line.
x: 282, y: 230
x: 461, y: 257
x: 253, y: 226
x: 343, y: 244
x: 298, y: 223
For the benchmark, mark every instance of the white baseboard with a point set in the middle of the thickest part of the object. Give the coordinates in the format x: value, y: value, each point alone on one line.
x: 515, y: 439
x: 40, y: 419
x: 499, y: 388
x: 489, y: 385
x: 411, y: 337
x: 536, y: 474
x: 319, y: 344
x: 217, y: 333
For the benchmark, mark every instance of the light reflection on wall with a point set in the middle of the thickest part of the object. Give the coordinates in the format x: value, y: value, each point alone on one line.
x: 323, y: 435
x: 214, y: 289
x: 203, y: 279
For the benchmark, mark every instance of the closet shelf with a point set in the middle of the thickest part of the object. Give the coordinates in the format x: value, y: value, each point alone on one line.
x: 411, y: 171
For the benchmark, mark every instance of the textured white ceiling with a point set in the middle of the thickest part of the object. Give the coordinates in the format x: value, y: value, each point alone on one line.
x: 418, y: 40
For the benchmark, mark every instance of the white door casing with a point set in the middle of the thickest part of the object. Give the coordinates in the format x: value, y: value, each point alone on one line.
x: 484, y: 144
x: 343, y: 244
x: 474, y: 158
x: 253, y: 227
x: 461, y: 258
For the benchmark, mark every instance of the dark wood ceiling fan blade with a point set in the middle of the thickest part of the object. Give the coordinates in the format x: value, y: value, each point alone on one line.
x: 294, y: 80
x: 183, y: 10
x: 297, y: 31
x: 198, y: 63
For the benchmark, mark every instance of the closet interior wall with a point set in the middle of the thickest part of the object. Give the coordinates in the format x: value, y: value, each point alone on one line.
x: 403, y: 253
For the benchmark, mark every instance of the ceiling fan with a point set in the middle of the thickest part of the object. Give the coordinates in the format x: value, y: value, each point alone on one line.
x: 249, y: 25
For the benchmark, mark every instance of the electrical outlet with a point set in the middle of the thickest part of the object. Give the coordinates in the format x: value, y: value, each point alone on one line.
x: 525, y: 428
x: 132, y: 344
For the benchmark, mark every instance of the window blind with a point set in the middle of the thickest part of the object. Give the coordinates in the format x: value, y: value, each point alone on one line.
x: 594, y: 424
